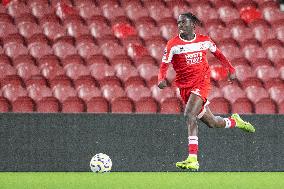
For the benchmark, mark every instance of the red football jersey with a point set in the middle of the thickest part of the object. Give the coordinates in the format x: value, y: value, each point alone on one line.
x: 189, y: 59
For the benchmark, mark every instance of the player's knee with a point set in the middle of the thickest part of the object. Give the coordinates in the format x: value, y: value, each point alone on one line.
x: 190, y: 119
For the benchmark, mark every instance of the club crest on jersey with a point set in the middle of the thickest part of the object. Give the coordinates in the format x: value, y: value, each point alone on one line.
x: 193, y: 58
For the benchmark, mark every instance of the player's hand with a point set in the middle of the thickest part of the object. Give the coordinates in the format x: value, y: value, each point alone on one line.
x: 162, y: 84
x: 231, y: 77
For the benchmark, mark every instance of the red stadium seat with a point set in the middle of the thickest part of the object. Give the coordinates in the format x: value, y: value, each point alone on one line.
x: 146, y: 105
x: 215, y: 92
x: 23, y: 104
x: 13, y: 80
x: 252, y: 81
x: 53, y: 30
x: 5, y: 106
x: 137, y: 92
x: 135, y: 81
x: 242, y: 106
x: 136, y: 51
x: 17, y: 9
x: 37, y: 80
x: 112, y: 92
x: 98, y: 26
x: 255, y: 94
x: 12, y: 92
x: 274, y: 82
x: 62, y: 92
x: 112, y: 50
x: 37, y: 38
x: 274, y: 50
x: 161, y: 94
x: 228, y: 14
x: 86, y: 92
x: 122, y: 105
x: 113, y: 12
x: 123, y: 30
x: 159, y: 12
x: 230, y: 49
x: 72, y: 59
x: 266, y: 72
x: 136, y: 12
x: 6, y: 69
x: 7, y: 29
x: 38, y: 50
x: 171, y: 105
x: 37, y: 92
x: 97, y: 105
x: 125, y: 71
x: 244, y: 72
x: 86, y: 80
x: 232, y: 93
x: 74, y: 71
x: 26, y: 71
x: 265, y: 106
x: 13, y: 38
x: 240, y: 32
x: 50, y: 67
x: 73, y: 104
x: 40, y: 9
x: 63, y: 49
x: 281, y: 108
x: 121, y: 60
x: 97, y: 59
x: 28, y: 29
x: 4, y: 59
x: 60, y: 80
x: 156, y: 48
x: 148, y: 71
x: 252, y: 50
x: 48, y: 105
x: 220, y: 106
x: 87, y: 11
x: 86, y: 50
x: 110, y: 81
x: 15, y: 49
x: 276, y: 93
x: 99, y: 71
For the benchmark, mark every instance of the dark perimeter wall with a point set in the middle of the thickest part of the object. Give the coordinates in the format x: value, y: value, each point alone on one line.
x: 66, y: 142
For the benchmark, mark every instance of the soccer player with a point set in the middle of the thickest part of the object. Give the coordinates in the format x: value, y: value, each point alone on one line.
x: 187, y: 54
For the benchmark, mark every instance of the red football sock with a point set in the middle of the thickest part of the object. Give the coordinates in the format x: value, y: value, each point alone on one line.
x: 192, y: 146
x: 230, y: 123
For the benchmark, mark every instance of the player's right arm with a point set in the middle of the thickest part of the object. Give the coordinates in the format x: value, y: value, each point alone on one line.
x: 166, y: 60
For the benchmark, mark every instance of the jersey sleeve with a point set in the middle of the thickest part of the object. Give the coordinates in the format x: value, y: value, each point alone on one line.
x: 168, y: 53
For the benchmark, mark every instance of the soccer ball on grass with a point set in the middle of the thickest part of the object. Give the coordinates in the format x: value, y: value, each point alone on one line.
x: 100, y: 163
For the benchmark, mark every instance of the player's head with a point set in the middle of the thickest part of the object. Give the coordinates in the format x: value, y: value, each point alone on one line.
x: 187, y: 22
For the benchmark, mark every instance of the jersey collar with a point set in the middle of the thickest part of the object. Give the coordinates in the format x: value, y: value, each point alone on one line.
x: 187, y: 40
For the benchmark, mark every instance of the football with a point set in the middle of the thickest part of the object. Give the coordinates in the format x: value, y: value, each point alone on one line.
x: 100, y: 163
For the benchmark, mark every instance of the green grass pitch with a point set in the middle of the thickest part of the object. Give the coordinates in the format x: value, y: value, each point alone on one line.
x: 142, y: 180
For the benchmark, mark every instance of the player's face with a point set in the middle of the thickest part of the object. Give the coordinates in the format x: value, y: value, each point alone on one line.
x: 185, y: 25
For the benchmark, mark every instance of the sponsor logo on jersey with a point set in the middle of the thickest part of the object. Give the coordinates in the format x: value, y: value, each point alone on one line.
x: 193, y: 58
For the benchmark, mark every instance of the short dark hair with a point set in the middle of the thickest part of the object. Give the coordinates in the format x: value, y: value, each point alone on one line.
x: 193, y: 18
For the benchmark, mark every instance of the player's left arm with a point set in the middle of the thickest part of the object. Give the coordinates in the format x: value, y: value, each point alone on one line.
x: 225, y: 62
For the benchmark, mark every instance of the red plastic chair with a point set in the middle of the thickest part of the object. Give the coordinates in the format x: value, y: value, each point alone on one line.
x: 161, y: 94
x: 48, y: 105
x: 99, y: 71
x: 137, y: 92
x: 125, y: 71
x: 171, y: 105
x: 242, y: 106
x: 255, y: 94
x: 74, y: 71
x: 112, y: 92
x: 220, y: 106
x: 12, y: 92
x: 276, y: 93
x: 38, y: 92
x: 146, y: 105
x: 97, y: 105
x: 23, y: 104
x: 62, y: 92
x: 265, y: 106
x: 232, y: 93
x: 148, y: 71
x: 73, y: 105
x: 86, y: 92
x: 5, y: 105
x: 122, y: 105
